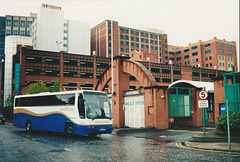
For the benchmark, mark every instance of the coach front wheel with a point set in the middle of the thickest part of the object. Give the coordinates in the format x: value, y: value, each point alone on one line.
x: 28, y: 126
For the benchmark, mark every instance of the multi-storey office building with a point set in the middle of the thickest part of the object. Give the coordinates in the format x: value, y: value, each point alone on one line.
x: 52, y: 32
x: 127, y: 39
x: 212, y: 54
x: 2, y: 37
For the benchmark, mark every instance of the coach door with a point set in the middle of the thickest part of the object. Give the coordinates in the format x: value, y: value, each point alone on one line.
x: 134, y: 114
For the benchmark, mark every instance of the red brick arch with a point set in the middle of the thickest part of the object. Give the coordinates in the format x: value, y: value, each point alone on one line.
x: 131, y: 67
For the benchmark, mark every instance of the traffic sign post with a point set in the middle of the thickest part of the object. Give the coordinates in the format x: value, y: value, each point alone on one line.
x: 203, y: 103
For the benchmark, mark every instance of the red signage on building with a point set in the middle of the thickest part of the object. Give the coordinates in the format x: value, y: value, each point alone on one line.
x: 171, y: 120
x: 51, y: 6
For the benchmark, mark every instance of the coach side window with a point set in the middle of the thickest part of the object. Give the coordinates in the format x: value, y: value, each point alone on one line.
x: 81, y: 108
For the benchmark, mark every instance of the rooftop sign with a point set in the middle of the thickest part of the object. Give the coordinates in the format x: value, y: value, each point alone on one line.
x: 51, y: 6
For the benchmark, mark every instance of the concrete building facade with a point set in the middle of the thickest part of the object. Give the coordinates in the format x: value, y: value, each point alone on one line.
x: 125, y: 40
x: 52, y: 32
x: 212, y: 54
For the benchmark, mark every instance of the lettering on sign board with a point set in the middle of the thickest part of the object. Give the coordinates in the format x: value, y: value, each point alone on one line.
x: 51, y: 6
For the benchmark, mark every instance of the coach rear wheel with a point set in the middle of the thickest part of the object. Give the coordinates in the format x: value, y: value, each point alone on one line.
x: 28, y: 126
x: 69, y: 130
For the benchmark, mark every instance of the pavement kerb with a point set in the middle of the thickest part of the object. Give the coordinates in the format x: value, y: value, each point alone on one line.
x: 187, y: 145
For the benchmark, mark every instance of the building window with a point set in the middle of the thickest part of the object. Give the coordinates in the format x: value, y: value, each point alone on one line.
x: 110, y: 51
x: 126, y: 37
x: 140, y: 56
x: 127, y: 50
x: 156, y: 48
x: 121, y: 30
x: 220, y: 43
x: 65, y: 24
x: 151, y: 47
x: 219, y: 57
x: 228, y: 65
x: 132, y: 38
x: 196, y: 60
x: 109, y: 38
x: 28, y: 33
x: 141, y: 40
x: 230, y: 52
x: 146, y: 40
x: 206, y: 58
x: 132, y: 44
x: 222, y: 57
x: 165, y: 46
x: 64, y: 45
x: 185, y: 63
x: 147, y: 46
x: 121, y: 36
x: 122, y: 43
x: 8, y: 32
x: 221, y: 50
x: 137, y: 33
x: 178, y: 52
x: 207, y: 45
x: 9, y: 23
x: 22, y: 23
x: 194, y: 47
x: 142, y: 46
x: 29, y: 23
x: 208, y: 51
x: 229, y: 45
x: 22, y: 33
x: 141, y: 34
x: 132, y: 32
x: 210, y: 64
x: 210, y: 57
x: 179, y: 58
x: 109, y: 31
x: 155, y: 36
x: 223, y: 64
x: 220, y: 64
x: 122, y: 50
x: 127, y: 31
x: 186, y: 50
x: 65, y: 31
x: 186, y: 57
x: 151, y: 35
x: 231, y: 58
x: 151, y: 41
x: 137, y: 45
x: 146, y: 34
x: 15, y: 32
x: 15, y: 23
x: 137, y: 39
x: 64, y: 38
x: 109, y: 45
x: 127, y: 44
x: 156, y: 42
x: 206, y: 65
x: 132, y: 55
x: 194, y: 54
x: 165, y: 40
x: 166, y: 57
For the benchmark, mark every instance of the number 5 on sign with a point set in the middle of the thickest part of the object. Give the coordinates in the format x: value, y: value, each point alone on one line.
x: 203, y: 95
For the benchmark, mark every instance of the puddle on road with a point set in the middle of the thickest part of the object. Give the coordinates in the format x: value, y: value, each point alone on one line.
x: 160, y: 140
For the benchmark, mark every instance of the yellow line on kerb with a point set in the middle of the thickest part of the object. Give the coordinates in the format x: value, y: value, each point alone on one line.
x: 185, y: 131
x: 198, y: 149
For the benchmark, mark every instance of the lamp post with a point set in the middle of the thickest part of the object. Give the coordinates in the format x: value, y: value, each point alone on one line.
x: 58, y: 44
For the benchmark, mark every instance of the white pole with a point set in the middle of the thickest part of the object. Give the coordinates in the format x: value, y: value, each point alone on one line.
x: 112, y: 48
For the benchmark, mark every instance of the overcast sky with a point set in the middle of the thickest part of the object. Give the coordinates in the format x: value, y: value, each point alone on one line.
x: 184, y: 21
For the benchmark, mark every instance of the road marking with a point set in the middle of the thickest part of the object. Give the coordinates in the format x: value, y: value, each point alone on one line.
x: 171, y: 130
x: 179, y: 144
x: 208, y: 128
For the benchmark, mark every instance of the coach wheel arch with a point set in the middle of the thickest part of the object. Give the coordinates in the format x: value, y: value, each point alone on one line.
x: 69, y: 130
x: 28, y: 126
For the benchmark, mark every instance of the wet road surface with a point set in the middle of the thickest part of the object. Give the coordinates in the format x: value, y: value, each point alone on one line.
x: 18, y: 145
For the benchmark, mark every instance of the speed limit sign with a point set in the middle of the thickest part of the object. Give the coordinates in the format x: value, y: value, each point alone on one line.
x: 203, y: 95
